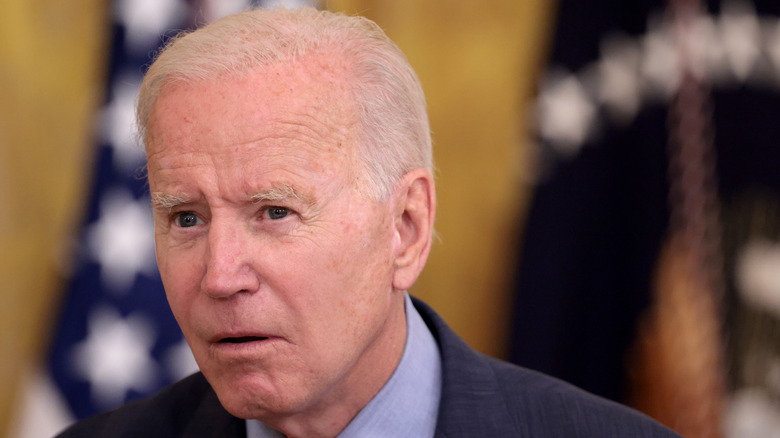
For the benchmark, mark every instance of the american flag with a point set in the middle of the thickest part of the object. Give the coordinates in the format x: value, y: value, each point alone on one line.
x: 116, y: 339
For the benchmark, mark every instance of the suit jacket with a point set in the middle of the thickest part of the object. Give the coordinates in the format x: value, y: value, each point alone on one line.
x: 481, y: 397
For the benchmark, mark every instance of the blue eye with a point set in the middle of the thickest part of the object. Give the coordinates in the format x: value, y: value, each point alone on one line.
x: 276, y: 213
x: 187, y: 219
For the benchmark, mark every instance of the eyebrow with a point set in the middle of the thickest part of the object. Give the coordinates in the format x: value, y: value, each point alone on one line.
x: 166, y: 200
x: 279, y: 193
x: 162, y: 200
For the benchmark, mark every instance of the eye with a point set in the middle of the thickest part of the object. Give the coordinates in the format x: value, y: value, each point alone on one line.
x: 276, y: 213
x: 187, y: 219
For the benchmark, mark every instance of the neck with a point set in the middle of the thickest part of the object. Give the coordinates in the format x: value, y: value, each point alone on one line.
x: 333, y: 412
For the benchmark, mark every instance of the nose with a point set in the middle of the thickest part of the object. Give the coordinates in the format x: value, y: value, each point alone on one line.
x: 229, y: 268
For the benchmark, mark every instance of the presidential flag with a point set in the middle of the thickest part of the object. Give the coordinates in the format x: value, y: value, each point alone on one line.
x: 596, y: 256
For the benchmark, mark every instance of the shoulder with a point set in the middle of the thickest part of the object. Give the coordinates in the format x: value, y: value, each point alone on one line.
x: 489, y: 397
x: 543, y: 404
x: 175, y: 411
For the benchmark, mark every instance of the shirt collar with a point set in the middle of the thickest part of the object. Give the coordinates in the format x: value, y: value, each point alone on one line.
x: 408, y: 404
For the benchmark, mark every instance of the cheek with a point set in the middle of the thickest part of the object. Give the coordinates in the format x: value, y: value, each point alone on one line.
x: 181, y: 273
x: 359, y: 272
x: 368, y: 253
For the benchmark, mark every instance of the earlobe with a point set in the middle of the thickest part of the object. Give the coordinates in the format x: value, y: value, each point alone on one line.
x: 414, y: 216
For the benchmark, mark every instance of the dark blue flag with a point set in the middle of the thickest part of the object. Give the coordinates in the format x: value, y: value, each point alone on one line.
x: 601, y: 207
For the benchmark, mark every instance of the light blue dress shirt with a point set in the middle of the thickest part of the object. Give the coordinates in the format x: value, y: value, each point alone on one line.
x: 408, y: 404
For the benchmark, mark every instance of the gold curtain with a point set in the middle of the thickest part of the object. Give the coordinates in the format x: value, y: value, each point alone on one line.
x: 477, y: 62
x: 51, y: 76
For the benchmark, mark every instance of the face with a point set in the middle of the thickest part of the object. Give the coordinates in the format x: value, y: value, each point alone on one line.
x: 277, y: 269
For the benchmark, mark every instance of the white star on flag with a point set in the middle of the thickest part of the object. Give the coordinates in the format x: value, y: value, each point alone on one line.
x: 179, y: 360
x: 741, y: 35
x: 660, y: 65
x: 773, y: 44
x: 146, y: 20
x: 291, y: 4
x: 122, y: 240
x: 118, y: 125
x: 619, y: 77
x: 116, y: 356
x: 223, y: 8
x: 758, y: 274
x: 566, y: 114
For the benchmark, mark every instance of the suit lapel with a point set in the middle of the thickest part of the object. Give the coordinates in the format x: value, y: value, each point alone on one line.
x: 472, y: 403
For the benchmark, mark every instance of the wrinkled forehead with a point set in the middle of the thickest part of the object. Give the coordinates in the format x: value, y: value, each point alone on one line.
x: 312, y: 92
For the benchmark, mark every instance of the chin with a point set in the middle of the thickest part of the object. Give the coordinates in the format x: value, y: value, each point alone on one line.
x: 250, y: 399
x: 244, y: 410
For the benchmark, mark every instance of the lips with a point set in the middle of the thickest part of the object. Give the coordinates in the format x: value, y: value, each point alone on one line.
x: 228, y: 337
x: 235, y: 348
x: 242, y: 339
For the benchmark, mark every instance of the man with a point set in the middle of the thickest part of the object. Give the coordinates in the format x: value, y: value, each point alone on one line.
x: 289, y: 163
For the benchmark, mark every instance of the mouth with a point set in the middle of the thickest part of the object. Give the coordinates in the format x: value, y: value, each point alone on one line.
x: 242, y: 339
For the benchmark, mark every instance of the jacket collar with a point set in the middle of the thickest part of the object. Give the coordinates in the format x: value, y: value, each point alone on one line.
x: 471, y: 398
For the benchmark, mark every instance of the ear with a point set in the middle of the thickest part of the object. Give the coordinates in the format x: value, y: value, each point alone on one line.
x: 415, y: 209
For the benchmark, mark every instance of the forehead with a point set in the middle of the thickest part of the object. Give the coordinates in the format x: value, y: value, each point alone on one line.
x: 308, y: 98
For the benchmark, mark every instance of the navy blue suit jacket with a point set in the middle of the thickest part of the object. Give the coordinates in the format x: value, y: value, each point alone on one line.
x: 481, y: 397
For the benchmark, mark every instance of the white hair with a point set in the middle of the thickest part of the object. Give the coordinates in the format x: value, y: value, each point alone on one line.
x: 394, y: 134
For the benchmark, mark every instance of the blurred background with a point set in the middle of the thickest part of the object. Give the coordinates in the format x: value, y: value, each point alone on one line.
x: 608, y: 176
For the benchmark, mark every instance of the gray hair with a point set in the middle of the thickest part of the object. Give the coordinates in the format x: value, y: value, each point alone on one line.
x: 394, y: 135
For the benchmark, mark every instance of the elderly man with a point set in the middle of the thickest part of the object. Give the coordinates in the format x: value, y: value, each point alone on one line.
x: 289, y: 160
